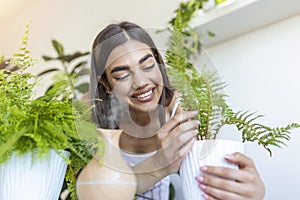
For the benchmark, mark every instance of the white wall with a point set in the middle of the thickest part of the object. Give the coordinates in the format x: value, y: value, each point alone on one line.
x: 74, y: 22
x: 262, y: 71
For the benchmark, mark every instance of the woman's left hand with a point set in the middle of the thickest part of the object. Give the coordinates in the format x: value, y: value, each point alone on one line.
x: 246, y: 185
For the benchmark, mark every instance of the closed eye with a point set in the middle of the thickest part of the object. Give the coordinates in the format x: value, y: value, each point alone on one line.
x: 123, y: 77
x: 148, y: 67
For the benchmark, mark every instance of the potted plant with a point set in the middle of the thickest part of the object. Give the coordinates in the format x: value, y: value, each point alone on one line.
x: 203, y: 91
x: 39, y: 137
x: 72, y: 66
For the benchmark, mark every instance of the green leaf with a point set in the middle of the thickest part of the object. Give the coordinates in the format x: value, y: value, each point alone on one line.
x: 18, y: 54
x: 48, y: 71
x: 47, y: 58
x: 80, y: 64
x: 83, y: 72
x: 82, y: 87
x: 211, y: 34
x: 10, y: 143
x: 71, y: 57
x: 58, y: 47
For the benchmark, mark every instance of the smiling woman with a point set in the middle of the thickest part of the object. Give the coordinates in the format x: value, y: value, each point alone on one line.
x: 134, y: 77
x: 127, y: 68
x: 136, y: 103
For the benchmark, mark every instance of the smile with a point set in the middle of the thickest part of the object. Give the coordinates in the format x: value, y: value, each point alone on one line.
x: 144, y: 94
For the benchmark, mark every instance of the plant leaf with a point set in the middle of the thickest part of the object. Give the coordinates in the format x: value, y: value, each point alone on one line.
x: 80, y: 64
x: 83, y: 72
x: 71, y: 57
x: 47, y: 58
x: 82, y: 87
x: 58, y: 47
x: 48, y: 71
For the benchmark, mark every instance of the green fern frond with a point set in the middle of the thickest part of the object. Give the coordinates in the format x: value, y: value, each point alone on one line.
x: 23, y: 58
x: 256, y: 132
x: 200, y: 90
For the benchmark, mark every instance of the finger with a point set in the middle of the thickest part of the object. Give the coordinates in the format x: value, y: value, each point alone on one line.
x: 218, y: 182
x: 186, y: 126
x: 241, y: 160
x: 182, y: 117
x: 175, y: 121
x: 187, y: 148
x: 185, y: 137
x: 218, y: 187
x: 179, y: 142
x: 180, y: 154
x: 212, y: 193
x: 226, y: 173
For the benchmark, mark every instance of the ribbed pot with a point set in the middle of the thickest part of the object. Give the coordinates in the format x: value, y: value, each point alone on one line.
x: 108, y: 177
x: 205, y: 152
x: 24, y: 178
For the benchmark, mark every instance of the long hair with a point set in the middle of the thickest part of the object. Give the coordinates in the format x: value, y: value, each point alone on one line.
x: 109, y: 38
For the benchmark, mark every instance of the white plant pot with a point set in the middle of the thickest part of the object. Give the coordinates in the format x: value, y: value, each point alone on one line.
x: 205, y: 152
x: 22, y: 179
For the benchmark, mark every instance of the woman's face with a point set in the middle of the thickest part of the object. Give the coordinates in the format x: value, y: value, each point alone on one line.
x: 134, y: 76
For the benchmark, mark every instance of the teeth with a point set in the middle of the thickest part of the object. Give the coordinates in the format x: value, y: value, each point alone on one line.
x: 145, y: 94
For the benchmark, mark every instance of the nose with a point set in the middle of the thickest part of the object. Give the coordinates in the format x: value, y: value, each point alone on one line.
x: 139, y: 80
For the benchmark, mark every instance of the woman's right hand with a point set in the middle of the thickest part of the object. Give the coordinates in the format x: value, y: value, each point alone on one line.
x: 175, y: 140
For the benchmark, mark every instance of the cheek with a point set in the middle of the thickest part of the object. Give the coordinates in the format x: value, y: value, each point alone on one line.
x: 121, y: 90
x: 157, y: 78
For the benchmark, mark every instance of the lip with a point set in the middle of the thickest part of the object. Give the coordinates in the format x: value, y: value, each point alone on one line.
x: 138, y: 96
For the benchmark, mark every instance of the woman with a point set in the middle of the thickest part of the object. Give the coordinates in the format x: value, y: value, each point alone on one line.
x: 128, y: 75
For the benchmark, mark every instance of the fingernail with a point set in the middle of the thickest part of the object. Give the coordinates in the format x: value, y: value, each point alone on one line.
x: 204, y: 196
x: 228, y: 156
x: 203, y: 168
x: 202, y: 187
x: 199, y: 178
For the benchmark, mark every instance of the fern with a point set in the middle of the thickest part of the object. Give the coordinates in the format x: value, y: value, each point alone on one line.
x: 53, y: 121
x: 256, y: 132
x: 202, y: 91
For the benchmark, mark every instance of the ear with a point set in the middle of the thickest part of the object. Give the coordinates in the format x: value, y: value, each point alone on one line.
x: 104, y: 84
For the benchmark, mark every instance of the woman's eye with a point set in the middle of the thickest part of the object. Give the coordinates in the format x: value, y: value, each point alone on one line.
x: 148, y: 67
x: 121, y: 78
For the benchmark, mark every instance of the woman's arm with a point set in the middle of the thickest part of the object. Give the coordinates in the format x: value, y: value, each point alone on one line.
x: 247, y: 184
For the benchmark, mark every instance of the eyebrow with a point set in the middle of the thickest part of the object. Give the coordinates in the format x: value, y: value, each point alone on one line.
x: 125, y: 67
x: 144, y: 58
x: 119, y: 68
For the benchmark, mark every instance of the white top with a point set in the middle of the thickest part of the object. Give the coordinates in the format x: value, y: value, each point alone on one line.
x: 159, y: 191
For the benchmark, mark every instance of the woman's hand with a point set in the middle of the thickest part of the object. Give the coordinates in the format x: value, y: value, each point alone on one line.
x: 175, y: 140
x: 247, y: 184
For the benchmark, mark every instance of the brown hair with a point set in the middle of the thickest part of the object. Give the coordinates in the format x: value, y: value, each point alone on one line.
x: 108, y: 39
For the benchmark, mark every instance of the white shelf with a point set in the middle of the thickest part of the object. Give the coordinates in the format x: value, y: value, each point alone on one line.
x: 241, y: 17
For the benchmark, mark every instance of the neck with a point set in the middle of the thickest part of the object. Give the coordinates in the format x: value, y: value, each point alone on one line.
x: 144, y: 118
x: 140, y: 124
